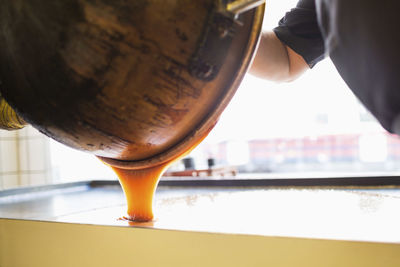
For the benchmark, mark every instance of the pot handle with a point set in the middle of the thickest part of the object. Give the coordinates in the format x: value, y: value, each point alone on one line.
x: 234, y: 8
x: 217, y: 37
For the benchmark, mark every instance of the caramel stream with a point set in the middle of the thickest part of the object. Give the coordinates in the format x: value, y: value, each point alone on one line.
x: 139, y: 186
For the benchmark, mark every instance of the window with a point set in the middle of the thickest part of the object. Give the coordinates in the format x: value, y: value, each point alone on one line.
x: 314, y: 125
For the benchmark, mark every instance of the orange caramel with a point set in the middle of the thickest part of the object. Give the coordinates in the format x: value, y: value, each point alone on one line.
x: 139, y: 186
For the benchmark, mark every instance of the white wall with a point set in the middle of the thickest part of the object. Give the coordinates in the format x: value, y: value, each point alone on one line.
x: 24, y: 158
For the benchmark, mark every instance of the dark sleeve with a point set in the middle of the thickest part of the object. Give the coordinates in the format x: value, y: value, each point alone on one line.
x: 299, y: 30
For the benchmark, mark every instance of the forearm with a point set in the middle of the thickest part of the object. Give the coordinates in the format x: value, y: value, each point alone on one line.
x: 275, y: 61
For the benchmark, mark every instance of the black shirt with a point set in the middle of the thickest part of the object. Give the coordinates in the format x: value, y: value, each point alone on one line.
x: 299, y: 30
x: 363, y: 40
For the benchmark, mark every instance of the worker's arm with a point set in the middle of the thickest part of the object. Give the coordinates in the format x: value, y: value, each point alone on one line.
x: 277, y: 62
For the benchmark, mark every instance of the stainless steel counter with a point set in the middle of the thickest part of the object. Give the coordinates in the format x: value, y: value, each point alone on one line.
x: 341, y: 214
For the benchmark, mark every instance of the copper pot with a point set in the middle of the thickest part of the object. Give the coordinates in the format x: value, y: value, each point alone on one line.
x: 133, y: 82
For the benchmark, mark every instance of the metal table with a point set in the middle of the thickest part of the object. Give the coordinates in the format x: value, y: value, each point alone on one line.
x: 353, y: 218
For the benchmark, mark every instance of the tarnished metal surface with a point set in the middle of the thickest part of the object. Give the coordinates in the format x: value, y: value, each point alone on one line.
x: 114, y: 78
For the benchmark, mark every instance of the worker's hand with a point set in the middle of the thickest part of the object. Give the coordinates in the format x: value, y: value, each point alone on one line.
x: 9, y: 119
x: 275, y: 61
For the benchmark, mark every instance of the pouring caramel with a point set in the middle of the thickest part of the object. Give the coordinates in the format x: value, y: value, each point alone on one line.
x: 139, y: 185
x: 126, y: 81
